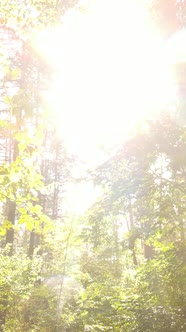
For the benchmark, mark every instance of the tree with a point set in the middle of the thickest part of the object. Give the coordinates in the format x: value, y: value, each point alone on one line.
x: 123, y: 262
x: 34, y: 165
x: 29, y: 146
x: 136, y: 280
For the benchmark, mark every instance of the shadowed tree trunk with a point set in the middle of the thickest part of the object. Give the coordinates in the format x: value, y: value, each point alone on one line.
x: 11, y: 210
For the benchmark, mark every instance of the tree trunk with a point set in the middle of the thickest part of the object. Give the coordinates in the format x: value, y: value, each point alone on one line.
x: 148, y: 252
x: 11, y: 208
x: 10, y: 231
x: 34, y: 243
x: 134, y: 258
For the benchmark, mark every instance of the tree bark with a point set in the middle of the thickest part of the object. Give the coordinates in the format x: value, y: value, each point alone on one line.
x: 148, y: 252
x: 34, y: 243
x: 10, y: 231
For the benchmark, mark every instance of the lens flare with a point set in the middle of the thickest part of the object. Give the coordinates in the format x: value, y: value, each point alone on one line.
x: 110, y: 73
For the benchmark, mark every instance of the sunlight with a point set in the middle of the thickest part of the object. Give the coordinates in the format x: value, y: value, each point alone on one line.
x: 110, y: 73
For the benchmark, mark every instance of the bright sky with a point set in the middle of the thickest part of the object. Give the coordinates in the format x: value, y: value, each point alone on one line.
x: 110, y: 73
x: 112, y: 70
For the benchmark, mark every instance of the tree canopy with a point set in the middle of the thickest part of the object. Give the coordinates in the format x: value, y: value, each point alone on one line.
x: 121, y: 265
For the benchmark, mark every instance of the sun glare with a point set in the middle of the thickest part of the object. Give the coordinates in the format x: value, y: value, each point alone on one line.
x: 110, y: 72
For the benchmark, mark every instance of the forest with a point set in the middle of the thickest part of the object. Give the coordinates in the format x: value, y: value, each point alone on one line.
x: 121, y: 264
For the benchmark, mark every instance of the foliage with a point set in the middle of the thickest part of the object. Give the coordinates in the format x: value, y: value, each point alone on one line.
x: 121, y: 266
x: 135, y: 281
x: 34, y: 168
x: 18, y: 276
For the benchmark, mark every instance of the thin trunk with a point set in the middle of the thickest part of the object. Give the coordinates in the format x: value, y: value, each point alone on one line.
x: 10, y: 231
x: 131, y: 217
x: 134, y: 258
x: 132, y: 241
x: 33, y: 243
x: 182, y: 231
x: 115, y: 232
x: 11, y: 210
